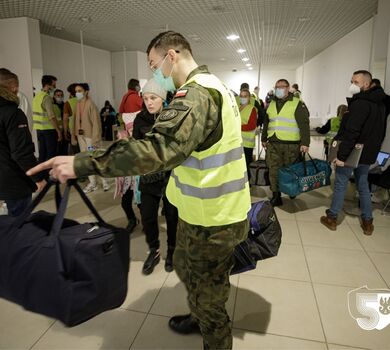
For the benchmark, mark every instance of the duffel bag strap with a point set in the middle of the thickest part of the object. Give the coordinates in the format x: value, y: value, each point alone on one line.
x: 59, y: 219
x: 27, y: 212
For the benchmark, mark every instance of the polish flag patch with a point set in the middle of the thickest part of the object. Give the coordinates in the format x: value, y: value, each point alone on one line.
x: 180, y: 93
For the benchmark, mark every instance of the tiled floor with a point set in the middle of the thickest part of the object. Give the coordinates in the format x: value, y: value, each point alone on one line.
x: 297, y: 300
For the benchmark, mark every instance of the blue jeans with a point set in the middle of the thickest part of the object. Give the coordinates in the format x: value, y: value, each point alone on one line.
x: 340, y: 187
x: 16, y: 206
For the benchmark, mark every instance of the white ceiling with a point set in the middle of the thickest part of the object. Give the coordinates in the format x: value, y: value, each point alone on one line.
x: 272, y: 31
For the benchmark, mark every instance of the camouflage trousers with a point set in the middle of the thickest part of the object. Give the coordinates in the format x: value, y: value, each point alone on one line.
x: 203, y: 259
x: 279, y: 155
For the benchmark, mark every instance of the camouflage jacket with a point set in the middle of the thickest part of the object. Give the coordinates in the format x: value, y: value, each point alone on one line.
x: 191, y: 122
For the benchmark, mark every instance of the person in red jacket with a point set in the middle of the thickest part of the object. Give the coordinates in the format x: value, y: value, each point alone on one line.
x: 131, y: 101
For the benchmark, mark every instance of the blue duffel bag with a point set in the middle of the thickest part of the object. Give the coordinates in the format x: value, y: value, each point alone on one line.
x: 304, y: 176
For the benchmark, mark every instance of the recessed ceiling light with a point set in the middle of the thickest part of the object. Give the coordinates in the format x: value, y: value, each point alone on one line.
x: 290, y: 44
x: 245, y: 59
x: 241, y: 50
x: 59, y: 28
x: 249, y: 64
x: 303, y: 19
x: 233, y: 37
x: 222, y: 59
x: 85, y: 19
x: 250, y: 68
x: 292, y: 38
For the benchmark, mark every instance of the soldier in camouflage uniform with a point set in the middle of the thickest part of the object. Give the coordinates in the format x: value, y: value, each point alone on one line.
x: 199, y: 137
x: 286, y: 133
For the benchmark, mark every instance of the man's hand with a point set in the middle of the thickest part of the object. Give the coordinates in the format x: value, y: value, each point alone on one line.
x: 304, y: 149
x: 264, y: 144
x: 40, y: 185
x: 338, y: 162
x: 61, y: 168
x: 59, y: 135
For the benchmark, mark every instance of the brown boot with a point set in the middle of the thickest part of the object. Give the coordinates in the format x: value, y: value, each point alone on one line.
x: 367, y: 226
x: 329, y: 222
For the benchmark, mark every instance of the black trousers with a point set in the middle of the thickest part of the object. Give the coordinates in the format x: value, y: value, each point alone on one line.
x: 47, y: 141
x: 149, y: 215
x: 127, y: 204
x: 248, y: 159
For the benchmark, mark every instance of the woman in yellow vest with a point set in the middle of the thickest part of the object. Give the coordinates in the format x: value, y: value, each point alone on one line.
x: 248, y: 115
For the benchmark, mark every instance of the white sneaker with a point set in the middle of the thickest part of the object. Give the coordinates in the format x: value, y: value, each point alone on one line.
x: 106, y: 186
x: 90, y: 188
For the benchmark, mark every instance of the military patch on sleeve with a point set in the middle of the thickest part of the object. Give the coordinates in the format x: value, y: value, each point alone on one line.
x: 167, y: 114
x: 181, y: 93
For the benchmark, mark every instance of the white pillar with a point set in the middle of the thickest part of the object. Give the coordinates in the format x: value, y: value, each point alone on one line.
x: 83, y: 56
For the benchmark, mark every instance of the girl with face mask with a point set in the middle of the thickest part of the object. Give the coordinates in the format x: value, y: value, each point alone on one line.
x: 87, y: 129
x: 248, y: 114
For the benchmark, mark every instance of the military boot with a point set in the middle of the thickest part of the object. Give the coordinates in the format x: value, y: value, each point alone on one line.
x: 169, y: 260
x: 184, y: 324
x: 367, y: 226
x: 151, y: 261
x: 276, y: 199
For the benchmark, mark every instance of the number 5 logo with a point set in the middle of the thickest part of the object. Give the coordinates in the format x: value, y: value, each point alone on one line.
x: 370, y: 308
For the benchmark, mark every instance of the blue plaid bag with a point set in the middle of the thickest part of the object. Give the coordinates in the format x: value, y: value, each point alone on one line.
x: 304, y: 176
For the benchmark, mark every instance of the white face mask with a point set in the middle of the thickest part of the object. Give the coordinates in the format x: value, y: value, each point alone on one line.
x: 354, y: 89
x: 279, y: 92
x: 59, y: 99
x: 244, y: 100
x: 79, y: 95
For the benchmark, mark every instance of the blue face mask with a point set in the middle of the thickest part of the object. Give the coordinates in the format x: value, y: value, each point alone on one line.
x: 165, y: 82
x: 279, y: 92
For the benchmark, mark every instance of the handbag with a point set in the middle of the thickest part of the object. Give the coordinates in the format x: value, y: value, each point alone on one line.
x: 304, y: 176
x: 60, y: 268
x: 264, y: 238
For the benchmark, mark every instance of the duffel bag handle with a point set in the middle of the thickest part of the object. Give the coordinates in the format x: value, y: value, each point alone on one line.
x: 59, y: 219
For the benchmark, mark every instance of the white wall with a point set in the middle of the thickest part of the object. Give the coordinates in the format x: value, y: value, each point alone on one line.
x: 15, y: 52
x: 136, y: 65
x: 62, y: 59
x: 327, y: 76
x: 268, y: 78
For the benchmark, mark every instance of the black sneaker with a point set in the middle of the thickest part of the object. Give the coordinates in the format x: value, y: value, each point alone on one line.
x: 131, y: 225
x: 169, y: 261
x: 184, y: 324
x: 151, y: 261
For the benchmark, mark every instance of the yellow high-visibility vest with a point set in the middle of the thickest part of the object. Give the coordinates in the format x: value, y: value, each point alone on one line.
x: 40, y: 118
x: 210, y: 188
x: 283, y: 124
x: 57, y: 113
x: 248, y: 137
x: 73, y: 103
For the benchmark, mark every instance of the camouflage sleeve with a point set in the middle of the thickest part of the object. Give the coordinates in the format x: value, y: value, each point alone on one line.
x: 303, y: 121
x: 180, y: 129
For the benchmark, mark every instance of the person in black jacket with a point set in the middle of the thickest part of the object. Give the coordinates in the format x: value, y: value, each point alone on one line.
x: 152, y: 186
x: 364, y: 123
x: 16, y: 149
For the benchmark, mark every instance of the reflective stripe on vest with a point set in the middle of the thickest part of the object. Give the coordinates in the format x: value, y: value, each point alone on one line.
x: 211, y: 192
x: 283, y: 124
x: 40, y: 118
x: 213, y: 161
x: 210, y: 188
x: 248, y: 137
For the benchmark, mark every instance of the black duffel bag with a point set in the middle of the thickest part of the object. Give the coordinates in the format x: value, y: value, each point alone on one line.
x: 264, y: 238
x: 60, y: 268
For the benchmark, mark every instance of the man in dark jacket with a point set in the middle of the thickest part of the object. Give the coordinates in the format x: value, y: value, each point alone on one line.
x: 364, y: 123
x: 16, y: 149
